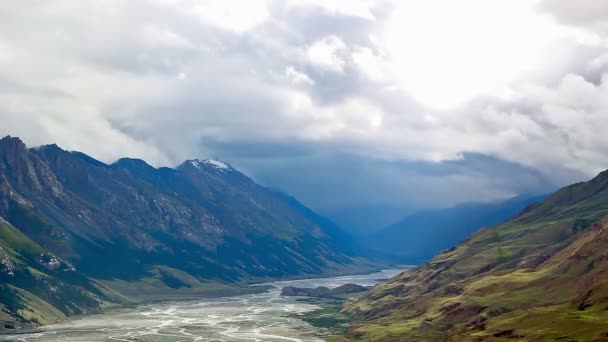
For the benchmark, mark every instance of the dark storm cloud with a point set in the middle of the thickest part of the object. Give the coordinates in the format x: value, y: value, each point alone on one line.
x: 330, y: 181
x: 298, y: 94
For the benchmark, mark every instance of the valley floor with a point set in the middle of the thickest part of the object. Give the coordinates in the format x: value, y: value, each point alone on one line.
x: 156, y: 289
x: 266, y: 316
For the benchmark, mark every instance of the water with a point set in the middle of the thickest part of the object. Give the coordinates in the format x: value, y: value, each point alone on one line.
x: 249, y: 318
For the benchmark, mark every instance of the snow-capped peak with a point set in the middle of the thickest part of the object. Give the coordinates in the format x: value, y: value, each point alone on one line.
x: 216, y: 164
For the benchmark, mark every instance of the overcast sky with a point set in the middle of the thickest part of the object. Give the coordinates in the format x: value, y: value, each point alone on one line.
x: 343, y: 103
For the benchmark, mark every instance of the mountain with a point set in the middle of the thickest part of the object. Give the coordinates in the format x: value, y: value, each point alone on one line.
x: 79, y: 230
x: 541, y: 276
x: 32, y: 277
x: 360, y: 220
x: 422, y: 235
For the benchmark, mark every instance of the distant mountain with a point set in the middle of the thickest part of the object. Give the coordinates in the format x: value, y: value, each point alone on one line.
x: 72, y: 225
x: 422, y: 235
x: 542, y: 276
x: 363, y: 219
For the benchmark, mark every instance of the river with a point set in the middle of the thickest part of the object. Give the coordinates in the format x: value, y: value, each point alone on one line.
x: 248, y: 318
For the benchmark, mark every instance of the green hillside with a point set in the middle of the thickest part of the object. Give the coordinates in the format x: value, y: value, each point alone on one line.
x: 541, y: 276
x: 78, y: 235
x: 38, y: 287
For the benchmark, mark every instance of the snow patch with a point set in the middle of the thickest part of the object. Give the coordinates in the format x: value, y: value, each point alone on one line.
x: 195, y: 163
x: 217, y: 164
x: 213, y: 163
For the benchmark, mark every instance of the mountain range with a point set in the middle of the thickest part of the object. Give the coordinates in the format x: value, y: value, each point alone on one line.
x: 421, y: 235
x: 77, y: 234
x: 541, y: 276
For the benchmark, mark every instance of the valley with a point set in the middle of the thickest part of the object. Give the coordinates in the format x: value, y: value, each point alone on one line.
x: 303, y: 171
x: 159, y: 247
x: 254, y: 317
x: 78, y: 235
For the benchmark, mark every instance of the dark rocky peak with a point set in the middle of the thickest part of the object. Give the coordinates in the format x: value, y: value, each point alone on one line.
x: 88, y: 159
x: 10, y: 144
x: 8, y: 139
x: 54, y: 154
x: 137, y: 168
x: 49, y: 148
x: 133, y: 164
x: 13, y: 153
x: 25, y: 169
x: 51, y: 151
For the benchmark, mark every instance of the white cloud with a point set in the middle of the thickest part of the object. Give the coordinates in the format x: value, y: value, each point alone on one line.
x: 447, y: 53
x: 370, y: 63
x: 328, y: 53
x: 158, y: 79
x: 297, y: 77
x: 356, y: 8
x: 232, y: 15
x: 587, y: 13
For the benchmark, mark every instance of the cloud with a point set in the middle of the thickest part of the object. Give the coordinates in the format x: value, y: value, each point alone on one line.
x: 303, y: 93
x: 297, y: 77
x: 553, y: 127
x: 586, y: 13
x: 327, y: 53
x: 354, y: 8
x: 346, y: 186
x: 235, y: 16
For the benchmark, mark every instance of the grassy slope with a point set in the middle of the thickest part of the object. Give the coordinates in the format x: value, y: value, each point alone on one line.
x: 161, y: 283
x: 164, y: 283
x: 48, y: 299
x: 542, y: 276
x: 328, y: 317
x: 17, y: 243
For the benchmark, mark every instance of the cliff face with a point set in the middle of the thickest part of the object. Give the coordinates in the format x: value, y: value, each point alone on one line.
x: 204, y: 221
x: 540, y: 276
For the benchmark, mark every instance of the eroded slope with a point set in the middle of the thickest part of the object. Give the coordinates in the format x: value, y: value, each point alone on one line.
x: 541, y: 276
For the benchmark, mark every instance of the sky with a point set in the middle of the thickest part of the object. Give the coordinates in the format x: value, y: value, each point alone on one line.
x: 361, y: 109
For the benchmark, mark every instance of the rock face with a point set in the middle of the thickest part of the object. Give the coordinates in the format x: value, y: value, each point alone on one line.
x: 539, y: 277
x: 292, y: 291
x: 119, y: 221
x: 322, y: 291
x: 348, y: 289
